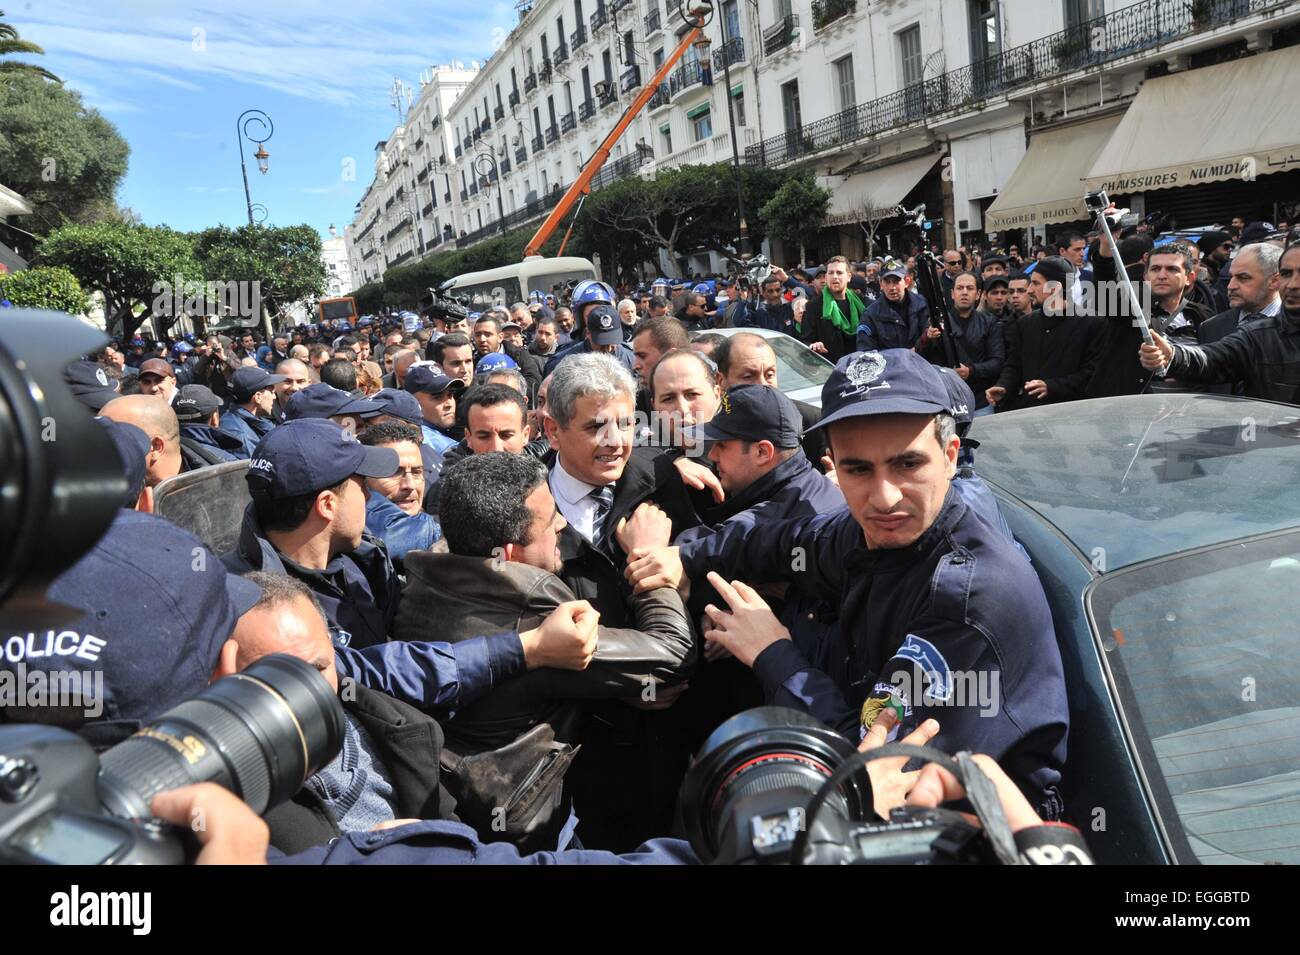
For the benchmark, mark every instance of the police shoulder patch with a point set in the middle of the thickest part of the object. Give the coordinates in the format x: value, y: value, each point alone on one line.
x: 932, y: 663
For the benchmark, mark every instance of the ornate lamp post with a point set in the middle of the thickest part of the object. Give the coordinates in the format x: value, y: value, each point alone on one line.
x: 247, y: 119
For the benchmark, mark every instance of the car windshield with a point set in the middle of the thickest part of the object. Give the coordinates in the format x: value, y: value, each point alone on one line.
x: 1203, y: 652
x: 797, y: 367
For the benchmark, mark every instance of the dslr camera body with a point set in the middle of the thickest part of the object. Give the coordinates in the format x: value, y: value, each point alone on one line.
x: 259, y: 733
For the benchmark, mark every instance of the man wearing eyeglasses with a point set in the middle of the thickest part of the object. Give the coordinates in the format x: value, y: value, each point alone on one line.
x: 395, y: 505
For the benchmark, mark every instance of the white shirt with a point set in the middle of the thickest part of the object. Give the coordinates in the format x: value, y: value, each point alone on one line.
x: 574, y: 500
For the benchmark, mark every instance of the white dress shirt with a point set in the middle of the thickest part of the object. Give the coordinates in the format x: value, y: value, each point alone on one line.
x: 573, y: 498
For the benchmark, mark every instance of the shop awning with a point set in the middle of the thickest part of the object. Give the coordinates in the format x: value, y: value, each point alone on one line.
x: 1048, y: 186
x: 878, y: 191
x: 1236, y: 120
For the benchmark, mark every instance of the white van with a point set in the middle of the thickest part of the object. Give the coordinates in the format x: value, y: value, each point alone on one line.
x: 513, y: 283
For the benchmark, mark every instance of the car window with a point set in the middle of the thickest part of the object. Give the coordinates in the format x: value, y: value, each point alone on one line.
x: 1204, y: 655
x: 797, y: 367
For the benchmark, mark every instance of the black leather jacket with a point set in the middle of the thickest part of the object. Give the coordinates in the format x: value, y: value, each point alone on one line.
x: 1265, y: 355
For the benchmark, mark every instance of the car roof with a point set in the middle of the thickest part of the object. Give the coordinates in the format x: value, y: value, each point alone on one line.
x: 1148, y: 475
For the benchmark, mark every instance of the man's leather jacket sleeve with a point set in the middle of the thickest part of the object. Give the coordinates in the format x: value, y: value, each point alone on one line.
x: 1226, y: 361
x: 659, y: 650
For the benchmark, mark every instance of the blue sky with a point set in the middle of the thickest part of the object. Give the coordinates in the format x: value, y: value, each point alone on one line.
x: 174, y: 76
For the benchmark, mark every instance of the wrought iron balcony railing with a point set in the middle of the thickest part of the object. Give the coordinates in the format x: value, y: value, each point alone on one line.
x: 780, y: 35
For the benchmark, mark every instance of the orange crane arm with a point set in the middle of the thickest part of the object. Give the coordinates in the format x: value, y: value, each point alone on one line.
x: 582, y: 185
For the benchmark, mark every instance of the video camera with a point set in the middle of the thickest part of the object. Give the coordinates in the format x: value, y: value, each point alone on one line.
x: 775, y: 786
x: 758, y: 270
x: 440, y: 303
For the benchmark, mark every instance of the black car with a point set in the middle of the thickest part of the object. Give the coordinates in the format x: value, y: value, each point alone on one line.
x: 1166, y: 532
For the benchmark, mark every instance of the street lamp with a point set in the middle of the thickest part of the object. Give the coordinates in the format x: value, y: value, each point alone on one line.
x: 485, y: 167
x: 262, y: 156
x: 702, y: 48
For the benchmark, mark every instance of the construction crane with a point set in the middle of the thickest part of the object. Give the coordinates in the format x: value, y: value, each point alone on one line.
x: 701, y: 13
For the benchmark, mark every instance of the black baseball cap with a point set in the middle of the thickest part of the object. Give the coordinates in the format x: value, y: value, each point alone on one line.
x: 155, y: 643
x: 247, y: 382
x: 194, y: 403
x: 755, y: 413
x: 311, y: 454
x: 325, y: 401
x: 892, y: 381
x: 604, y: 326
x: 992, y: 280
x: 429, y: 380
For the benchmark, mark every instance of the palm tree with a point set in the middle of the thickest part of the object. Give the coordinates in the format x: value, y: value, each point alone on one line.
x: 11, y: 43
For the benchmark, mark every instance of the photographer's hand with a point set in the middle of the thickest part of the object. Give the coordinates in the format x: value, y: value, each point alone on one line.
x: 890, y: 786
x: 227, y: 829
x: 935, y: 786
x: 750, y: 627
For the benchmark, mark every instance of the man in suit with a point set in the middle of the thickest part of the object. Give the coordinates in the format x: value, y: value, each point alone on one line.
x: 598, y: 479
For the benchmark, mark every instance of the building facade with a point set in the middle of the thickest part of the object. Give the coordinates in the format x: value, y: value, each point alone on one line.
x: 993, y: 113
x: 338, y: 270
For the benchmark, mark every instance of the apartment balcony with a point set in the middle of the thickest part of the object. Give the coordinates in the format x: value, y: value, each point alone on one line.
x: 530, y: 82
x: 468, y: 141
x: 521, y: 155
x: 464, y: 195
x: 586, y: 109
x: 545, y: 72
x: 653, y: 22
x: 578, y: 37
x: 538, y: 145
x: 1143, y: 27
x: 599, y: 19
x: 428, y: 207
x: 609, y: 97
x: 729, y: 54
x: 504, y: 166
x: 781, y: 35
x: 513, y: 99
x: 498, y: 112
x: 630, y: 79
x: 473, y: 188
x: 660, y: 98
x: 486, y: 124
x: 618, y: 6
x: 622, y: 168
x: 560, y: 55
x: 474, y: 137
x: 568, y: 123
x: 688, y: 75
x: 826, y: 12
x: 552, y: 135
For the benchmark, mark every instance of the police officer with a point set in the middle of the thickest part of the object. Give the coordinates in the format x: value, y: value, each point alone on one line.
x: 940, y: 616
x: 308, y: 519
x: 252, y: 394
x: 202, y: 443
x: 604, y: 334
x: 899, y: 318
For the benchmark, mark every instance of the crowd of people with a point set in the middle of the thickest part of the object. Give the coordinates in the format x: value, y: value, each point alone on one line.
x: 550, y: 546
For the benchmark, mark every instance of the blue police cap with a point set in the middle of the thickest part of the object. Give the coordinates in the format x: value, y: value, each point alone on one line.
x: 755, y: 413
x: 90, y: 384
x: 494, y: 362
x: 247, y: 382
x: 325, y: 401
x: 308, y: 455
x: 893, y: 381
x: 133, y: 446
x: 155, y: 642
x: 961, y: 400
x: 194, y: 403
x: 399, y: 404
x: 429, y: 380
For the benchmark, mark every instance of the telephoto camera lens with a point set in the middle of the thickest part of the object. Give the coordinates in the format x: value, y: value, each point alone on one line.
x: 259, y: 733
x: 744, y: 796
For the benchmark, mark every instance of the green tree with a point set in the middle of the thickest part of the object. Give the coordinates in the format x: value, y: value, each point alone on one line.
x: 11, y: 43
x: 796, y: 211
x: 127, y: 264
x: 48, y: 287
x: 65, y: 159
x: 284, y: 261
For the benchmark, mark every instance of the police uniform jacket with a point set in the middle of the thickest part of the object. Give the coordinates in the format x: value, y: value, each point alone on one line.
x: 883, y: 327
x: 959, y: 602
x: 358, y: 591
x: 248, y: 428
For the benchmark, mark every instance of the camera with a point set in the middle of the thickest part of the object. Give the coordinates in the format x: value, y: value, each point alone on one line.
x: 775, y: 786
x: 1096, y: 201
x: 758, y: 270
x: 440, y: 303
x: 259, y: 733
